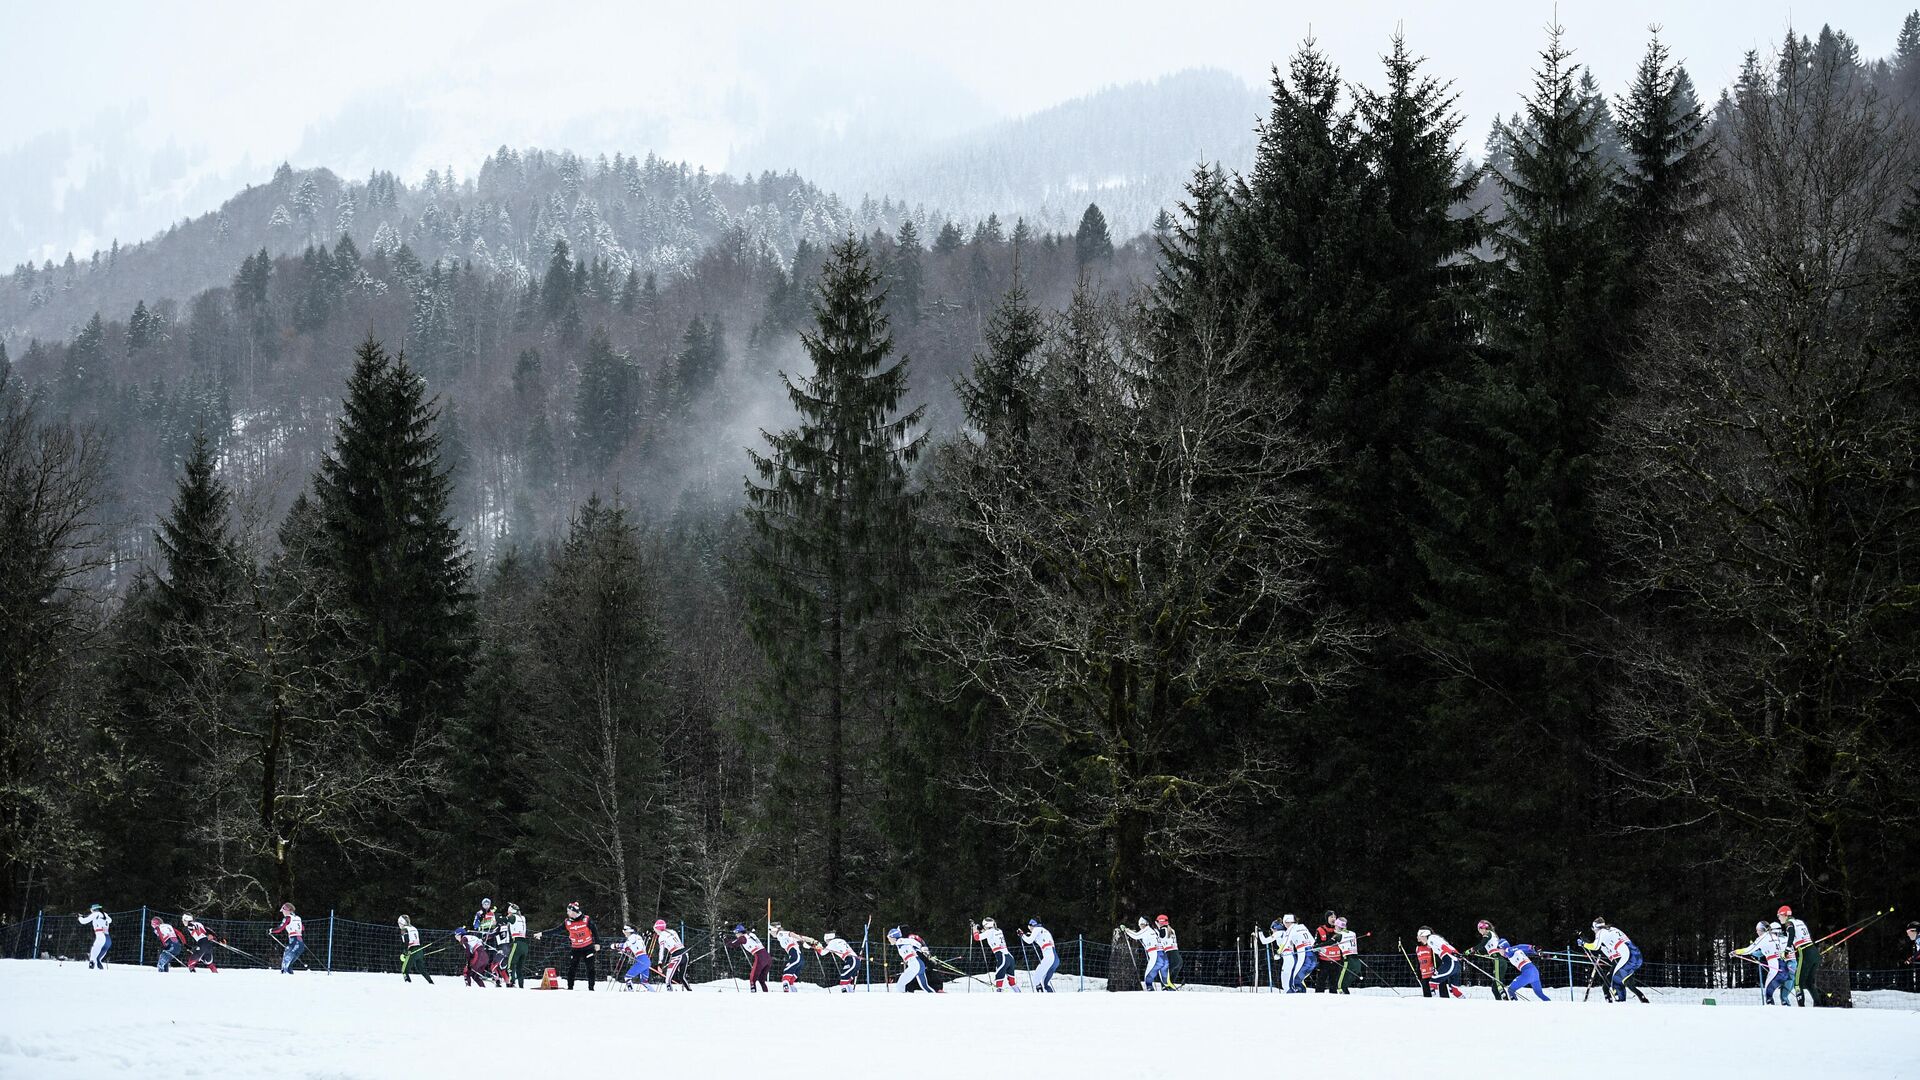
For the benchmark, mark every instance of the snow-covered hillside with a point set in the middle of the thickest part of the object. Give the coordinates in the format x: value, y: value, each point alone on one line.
x: 62, y: 1021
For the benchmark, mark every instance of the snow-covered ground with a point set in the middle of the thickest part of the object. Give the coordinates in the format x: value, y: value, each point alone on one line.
x: 59, y: 1020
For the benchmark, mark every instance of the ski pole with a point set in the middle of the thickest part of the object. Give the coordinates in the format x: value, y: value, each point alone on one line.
x: 1468, y: 958
x: 231, y: 949
x: 1842, y: 941
x: 1852, y: 925
x: 1383, y: 982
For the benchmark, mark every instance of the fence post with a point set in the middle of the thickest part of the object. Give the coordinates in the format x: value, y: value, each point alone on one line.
x: 36, y: 933
x: 329, y: 941
x: 1083, y: 964
x: 143, y: 934
x: 1569, y: 977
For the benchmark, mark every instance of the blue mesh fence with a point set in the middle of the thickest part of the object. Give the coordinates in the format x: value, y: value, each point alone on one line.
x: 344, y: 945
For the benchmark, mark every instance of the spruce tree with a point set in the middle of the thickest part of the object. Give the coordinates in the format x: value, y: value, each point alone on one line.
x: 388, y: 544
x: 1508, y: 540
x: 604, y: 402
x: 1663, y: 133
x: 997, y: 396
x: 702, y: 356
x: 1091, y: 241
x: 906, y: 274
x: 556, y: 289
x: 832, y: 518
x: 196, y: 544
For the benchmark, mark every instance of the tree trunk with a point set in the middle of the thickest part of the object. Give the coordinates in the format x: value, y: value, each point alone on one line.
x: 836, y: 753
x: 610, y: 766
x: 277, y: 846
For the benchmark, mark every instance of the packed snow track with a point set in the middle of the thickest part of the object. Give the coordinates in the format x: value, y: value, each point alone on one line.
x: 60, y: 1021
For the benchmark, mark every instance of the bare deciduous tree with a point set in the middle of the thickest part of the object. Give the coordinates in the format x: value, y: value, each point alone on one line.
x: 1762, y: 502
x: 1140, y: 554
x: 50, y: 544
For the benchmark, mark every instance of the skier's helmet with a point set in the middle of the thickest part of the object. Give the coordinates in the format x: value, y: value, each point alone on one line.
x: 893, y: 934
x: 1485, y: 926
x: 739, y: 928
x: 987, y: 921
x: 1599, y: 923
x: 775, y: 926
x: 154, y: 922
x: 1288, y: 919
x: 93, y: 907
x: 1160, y: 920
x: 1329, y: 917
x: 286, y: 908
x: 1143, y: 920
x: 1775, y: 927
x: 626, y: 929
x: 1760, y: 927
x: 1033, y: 922
x: 486, y: 903
x: 1339, y: 922
x: 401, y: 921
x: 573, y: 906
x: 1424, y: 933
x: 659, y: 925
x: 1274, y: 925
x: 1785, y: 912
x: 186, y: 918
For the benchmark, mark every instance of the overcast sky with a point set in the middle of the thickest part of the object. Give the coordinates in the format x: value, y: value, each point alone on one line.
x: 232, y: 88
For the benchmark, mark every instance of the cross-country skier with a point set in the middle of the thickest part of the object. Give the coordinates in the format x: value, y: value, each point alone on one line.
x: 295, y: 942
x: 639, y: 960
x: 1424, y: 953
x: 1149, y: 940
x: 1348, y: 944
x: 989, y: 933
x: 932, y: 977
x: 1169, y: 953
x: 757, y: 959
x: 673, y: 955
x: 1300, y: 945
x: 1526, y: 973
x: 516, y: 930
x: 202, y: 944
x: 484, y: 920
x: 789, y: 943
x: 583, y: 944
x: 1495, y: 948
x: 1042, y: 938
x: 1281, y: 939
x: 409, y: 945
x: 913, y: 963
x: 1275, y: 935
x: 170, y: 942
x: 102, y: 937
x: 1770, y: 948
x: 832, y: 944
x: 1446, y: 963
x: 479, y: 969
x: 1806, y: 957
x: 1619, y: 950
